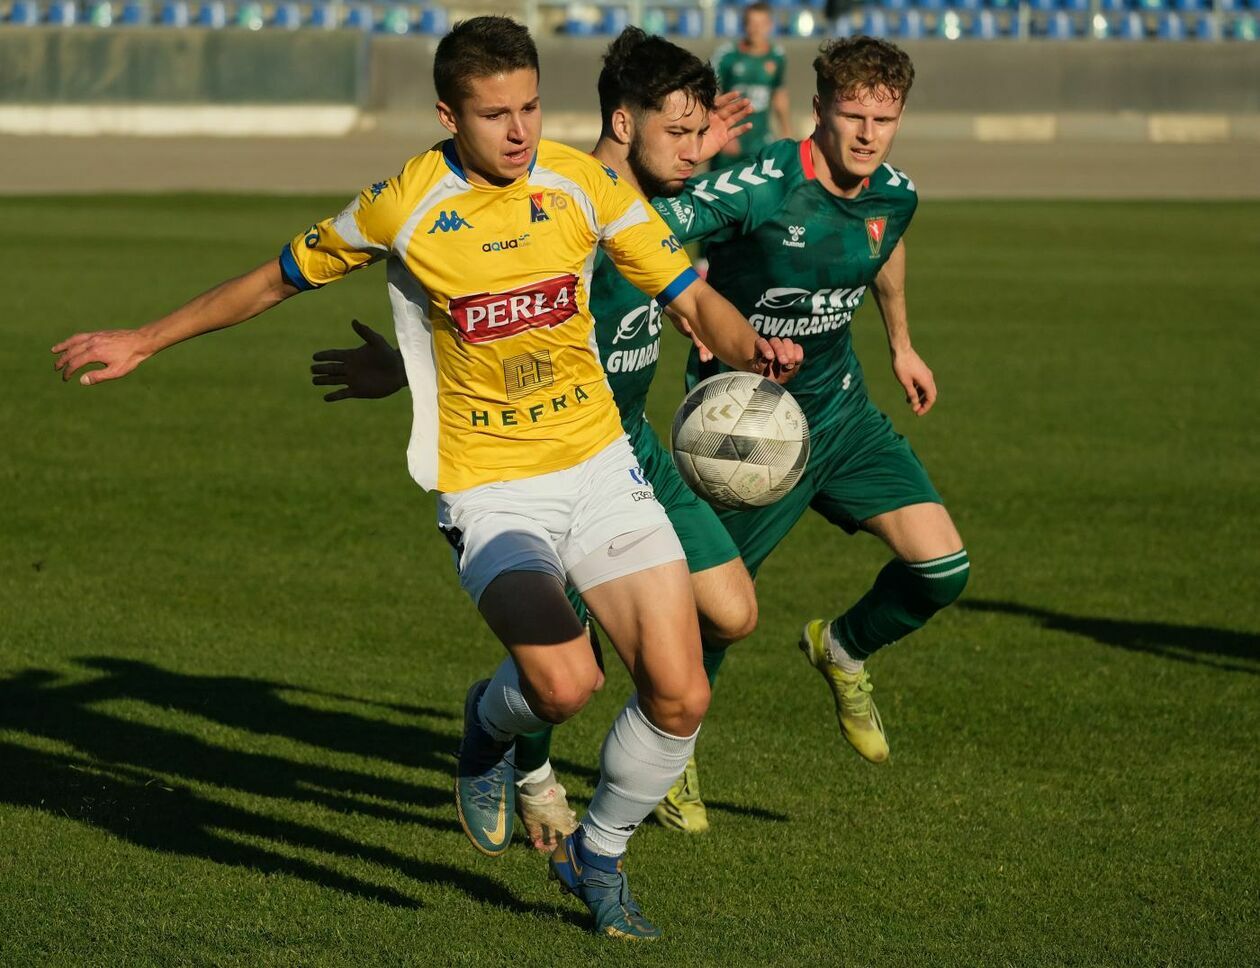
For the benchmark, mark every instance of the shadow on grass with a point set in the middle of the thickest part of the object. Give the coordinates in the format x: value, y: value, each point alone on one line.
x: 114, y: 778
x: 1194, y: 644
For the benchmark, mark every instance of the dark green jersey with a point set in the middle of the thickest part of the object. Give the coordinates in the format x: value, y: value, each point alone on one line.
x: 797, y: 260
x: 757, y: 77
x: 628, y: 331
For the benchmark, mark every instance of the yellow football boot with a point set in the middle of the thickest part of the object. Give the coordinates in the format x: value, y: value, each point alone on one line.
x: 855, y: 709
x: 682, y: 809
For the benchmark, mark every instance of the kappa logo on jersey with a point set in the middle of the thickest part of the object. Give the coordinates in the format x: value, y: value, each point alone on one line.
x: 610, y: 173
x: 875, y: 230
x: 376, y: 189
x: 488, y: 316
x: 536, y: 211
x: 796, y: 231
x: 671, y: 243
x: 450, y: 221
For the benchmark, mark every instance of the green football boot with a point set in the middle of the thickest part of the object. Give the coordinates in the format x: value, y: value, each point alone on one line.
x: 599, y: 882
x: 855, y: 709
x: 485, y: 782
x: 682, y: 809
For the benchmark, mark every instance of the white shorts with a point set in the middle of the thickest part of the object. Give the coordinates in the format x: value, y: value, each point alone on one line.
x: 555, y: 523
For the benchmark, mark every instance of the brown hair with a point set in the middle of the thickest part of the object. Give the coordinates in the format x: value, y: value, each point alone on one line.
x: 759, y: 7
x: 480, y: 47
x: 853, y: 64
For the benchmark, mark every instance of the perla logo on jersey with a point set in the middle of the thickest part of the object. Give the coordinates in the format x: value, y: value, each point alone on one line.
x: 829, y: 309
x: 488, y: 316
x: 630, y: 328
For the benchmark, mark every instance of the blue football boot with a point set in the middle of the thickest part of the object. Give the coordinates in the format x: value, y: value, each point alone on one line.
x: 485, y: 782
x: 598, y: 881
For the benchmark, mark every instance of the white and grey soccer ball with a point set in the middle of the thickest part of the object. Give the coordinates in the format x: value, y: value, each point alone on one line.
x: 740, y: 441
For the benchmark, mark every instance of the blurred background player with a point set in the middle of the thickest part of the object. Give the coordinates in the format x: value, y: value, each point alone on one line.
x: 515, y: 428
x: 756, y: 67
x: 655, y: 100
x: 795, y: 247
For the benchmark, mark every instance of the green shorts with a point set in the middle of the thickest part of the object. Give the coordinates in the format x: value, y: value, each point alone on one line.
x: 855, y: 471
x: 704, y: 539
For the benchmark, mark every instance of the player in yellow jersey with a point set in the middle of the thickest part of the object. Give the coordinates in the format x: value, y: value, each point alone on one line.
x: 489, y: 240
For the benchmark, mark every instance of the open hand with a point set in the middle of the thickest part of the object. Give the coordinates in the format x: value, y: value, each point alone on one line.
x: 368, y: 372
x: 120, y: 350
x: 725, y: 124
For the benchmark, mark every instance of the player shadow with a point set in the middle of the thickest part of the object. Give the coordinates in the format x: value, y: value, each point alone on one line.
x: 1193, y: 644
x: 113, y: 778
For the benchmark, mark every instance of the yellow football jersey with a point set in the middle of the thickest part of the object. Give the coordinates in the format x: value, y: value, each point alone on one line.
x: 489, y: 288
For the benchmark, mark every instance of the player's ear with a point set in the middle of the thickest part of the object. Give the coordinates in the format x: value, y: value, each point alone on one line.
x: 447, y: 117
x: 817, y: 104
x: 622, y: 126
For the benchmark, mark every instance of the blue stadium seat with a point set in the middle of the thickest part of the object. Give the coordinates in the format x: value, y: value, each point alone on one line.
x: 1060, y: 26
x: 895, y: 4
x: 1152, y: 5
x: 63, y: 13
x: 1077, y: 6
x: 1114, y: 6
x: 212, y: 14
x: 984, y: 25
x: 288, y: 16
x: 1190, y: 6
x: 910, y: 25
x: 174, y: 13
x: 874, y: 23
x: 1131, y: 27
x: 616, y: 19
x: 843, y: 26
x: 24, y: 13
x: 325, y: 16
x: 1207, y: 27
x: 359, y: 16
x: 689, y: 23
x: 1224, y: 6
x: 1044, y: 6
x: 249, y: 16
x: 433, y: 21
x: 135, y: 14
x: 971, y: 6
x: 931, y: 5
x: 1170, y: 27
x: 395, y: 20
x: 726, y: 22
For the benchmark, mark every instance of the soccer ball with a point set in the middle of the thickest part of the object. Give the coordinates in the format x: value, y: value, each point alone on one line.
x: 740, y: 441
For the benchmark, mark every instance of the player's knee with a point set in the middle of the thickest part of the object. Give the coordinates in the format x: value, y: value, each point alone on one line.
x: 940, y: 582
x: 736, y: 619
x: 678, y: 711
x: 560, y: 692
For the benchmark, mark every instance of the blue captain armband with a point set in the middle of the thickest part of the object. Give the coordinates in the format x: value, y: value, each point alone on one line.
x: 675, y: 288
x: 291, y: 272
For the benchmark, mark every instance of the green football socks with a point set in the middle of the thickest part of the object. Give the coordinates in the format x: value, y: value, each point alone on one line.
x: 905, y: 595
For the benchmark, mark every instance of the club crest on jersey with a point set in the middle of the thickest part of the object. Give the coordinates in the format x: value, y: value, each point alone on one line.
x: 488, y: 316
x: 536, y: 211
x: 875, y: 229
x: 450, y: 221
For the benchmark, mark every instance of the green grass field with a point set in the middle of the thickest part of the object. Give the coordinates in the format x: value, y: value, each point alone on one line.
x: 233, y: 650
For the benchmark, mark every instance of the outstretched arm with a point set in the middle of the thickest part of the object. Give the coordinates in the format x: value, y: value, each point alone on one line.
x: 122, y: 350
x: 722, y: 328
x: 908, y: 367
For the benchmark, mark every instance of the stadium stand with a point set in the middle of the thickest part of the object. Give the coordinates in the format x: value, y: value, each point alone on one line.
x: 946, y: 20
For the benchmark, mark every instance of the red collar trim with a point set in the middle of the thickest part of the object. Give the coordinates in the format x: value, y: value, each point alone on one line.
x: 807, y: 158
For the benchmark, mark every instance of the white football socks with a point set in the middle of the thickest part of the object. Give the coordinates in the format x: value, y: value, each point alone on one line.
x: 836, y: 652
x: 504, y: 712
x: 638, y: 765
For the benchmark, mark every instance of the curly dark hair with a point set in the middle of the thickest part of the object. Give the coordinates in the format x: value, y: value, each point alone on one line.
x: 480, y: 47
x: 852, y: 64
x: 641, y: 71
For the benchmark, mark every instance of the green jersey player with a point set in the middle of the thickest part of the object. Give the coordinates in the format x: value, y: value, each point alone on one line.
x: 757, y: 68
x: 798, y: 236
x: 656, y: 130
